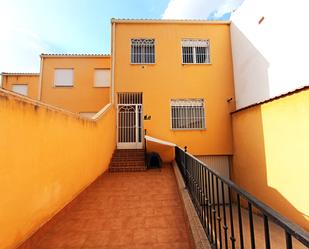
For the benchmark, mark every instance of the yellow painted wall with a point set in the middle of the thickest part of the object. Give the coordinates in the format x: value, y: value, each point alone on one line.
x: 271, y: 156
x: 46, y: 158
x: 83, y: 96
x: 31, y: 80
x: 168, y: 79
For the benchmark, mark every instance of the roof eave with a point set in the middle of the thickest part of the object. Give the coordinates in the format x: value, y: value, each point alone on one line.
x: 169, y: 21
x: 75, y: 55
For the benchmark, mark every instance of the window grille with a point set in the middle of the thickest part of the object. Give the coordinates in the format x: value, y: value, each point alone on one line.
x: 143, y: 51
x: 195, y: 52
x: 187, y: 114
x: 130, y: 98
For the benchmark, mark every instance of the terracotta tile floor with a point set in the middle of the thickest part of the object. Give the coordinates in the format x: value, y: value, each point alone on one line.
x: 120, y: 210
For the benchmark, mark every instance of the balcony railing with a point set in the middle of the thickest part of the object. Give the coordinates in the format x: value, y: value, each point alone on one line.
x: 221, y: 206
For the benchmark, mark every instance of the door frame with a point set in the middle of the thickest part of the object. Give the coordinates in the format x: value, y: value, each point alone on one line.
x: 134, y: 145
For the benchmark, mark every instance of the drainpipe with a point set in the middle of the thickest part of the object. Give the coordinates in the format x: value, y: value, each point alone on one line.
x: 113, y: 62
x: 1, y: 82
x: 40, y: 79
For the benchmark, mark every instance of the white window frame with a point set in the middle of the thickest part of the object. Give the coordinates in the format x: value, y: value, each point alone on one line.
x: 194, y: 44
x: 102, y: 84
x: 21, y: 84
x: 64, y: 85
x: 143, y: 58
x: 183, y: 120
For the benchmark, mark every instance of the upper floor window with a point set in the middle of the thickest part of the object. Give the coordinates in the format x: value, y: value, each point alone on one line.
x: 187, y: 114
x: 195, y: 52
x: 142, y: 51
x: 63, y: 77
x: 102, y: 77
x: 20, y: 89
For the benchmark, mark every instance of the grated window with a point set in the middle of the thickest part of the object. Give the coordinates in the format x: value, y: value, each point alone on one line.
x: 187, y: 114
x: 143, y: 51
x: 130, y: 98
x: 195, y: 52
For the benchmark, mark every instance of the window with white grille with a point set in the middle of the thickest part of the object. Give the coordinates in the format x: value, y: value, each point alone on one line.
x: 187, y: 114
x: 195, y: 52
x: 63, y: 77
x: 142, y: 51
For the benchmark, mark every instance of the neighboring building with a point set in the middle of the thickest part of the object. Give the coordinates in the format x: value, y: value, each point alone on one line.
x: 75, y: 82
x: 270, y: 128
x: 174, y: 79
x: 270, y: 49
x: 78, y: 83
x: 21, y: 83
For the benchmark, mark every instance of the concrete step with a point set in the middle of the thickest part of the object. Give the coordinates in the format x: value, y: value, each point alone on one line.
x: 127, y: 164
x: 128, y: 160
x: 127, y: 169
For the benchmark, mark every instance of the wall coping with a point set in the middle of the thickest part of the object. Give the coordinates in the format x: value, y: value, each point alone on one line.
x: 36, y: 103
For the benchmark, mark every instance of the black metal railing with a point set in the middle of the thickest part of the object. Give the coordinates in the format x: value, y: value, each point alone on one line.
x: 221, y: 206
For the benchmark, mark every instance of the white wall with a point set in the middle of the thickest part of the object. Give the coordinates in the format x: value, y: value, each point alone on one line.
x: 270, y: 58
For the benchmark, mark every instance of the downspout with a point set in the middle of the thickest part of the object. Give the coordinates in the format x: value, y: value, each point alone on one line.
x: 113, y: 63
x: 1, y: 82
x: 40, y: 79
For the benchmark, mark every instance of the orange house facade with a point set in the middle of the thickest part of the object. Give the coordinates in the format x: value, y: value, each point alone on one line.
x: 25, y: 84
x: 78, y: 83
x: 174, y: 79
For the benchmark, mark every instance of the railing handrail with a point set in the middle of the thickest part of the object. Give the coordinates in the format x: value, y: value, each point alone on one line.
x: 294, y: 229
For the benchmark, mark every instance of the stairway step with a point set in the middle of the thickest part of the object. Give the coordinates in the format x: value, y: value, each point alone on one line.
x: 127, y: 169
x: 127, y: 160
x: 127, y: 164
x: 119, y: 159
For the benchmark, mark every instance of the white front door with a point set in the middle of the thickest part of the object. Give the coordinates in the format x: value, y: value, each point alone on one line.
x: 129, y: 126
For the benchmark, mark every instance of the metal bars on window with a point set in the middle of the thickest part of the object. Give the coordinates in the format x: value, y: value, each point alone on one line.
x: 130, y: 98
x: 187, y: 114
x: 143, y: 51
x: 195, y: 52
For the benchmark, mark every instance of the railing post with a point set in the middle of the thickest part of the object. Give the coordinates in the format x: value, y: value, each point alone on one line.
x: 185, y: 166
x: 145, y: 147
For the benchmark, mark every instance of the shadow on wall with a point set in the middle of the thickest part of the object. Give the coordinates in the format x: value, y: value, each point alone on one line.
x: 251, y: 168
x: 250, y: 70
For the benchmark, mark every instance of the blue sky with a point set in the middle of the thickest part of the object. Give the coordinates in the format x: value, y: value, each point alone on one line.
x: 31, y: 27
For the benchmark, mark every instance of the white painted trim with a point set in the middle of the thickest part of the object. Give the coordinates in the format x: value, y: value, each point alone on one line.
x: 101, y: 112
x: 41, y: 79
x: 113, y: 64
x: 159, y: 141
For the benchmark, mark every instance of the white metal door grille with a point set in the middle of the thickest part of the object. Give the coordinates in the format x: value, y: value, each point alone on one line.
x: 129, y: 122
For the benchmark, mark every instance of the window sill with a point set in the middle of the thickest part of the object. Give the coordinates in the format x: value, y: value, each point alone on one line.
x: 101, y: 86
x: 189, y: 129
x: 196, y: 64
x: 142, y: 64
x: 63, y: 86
